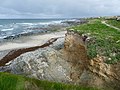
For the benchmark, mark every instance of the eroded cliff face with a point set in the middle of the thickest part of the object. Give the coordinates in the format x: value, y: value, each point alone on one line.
x: 75, y: 53
x: 65, y: 60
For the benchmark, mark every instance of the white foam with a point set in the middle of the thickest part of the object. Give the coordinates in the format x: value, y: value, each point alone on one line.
x: 44, y: 23
x: 57, y: 22
x: 24, y: 32
x: 8, y: 29
x: 51, y: 22
x: 40, y: 23
x: 3, y: 37
x: 26, y: 24
x: 32, y: 24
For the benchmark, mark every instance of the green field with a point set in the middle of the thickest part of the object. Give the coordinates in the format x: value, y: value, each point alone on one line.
x: 15, y: 82
x: 104, y: 40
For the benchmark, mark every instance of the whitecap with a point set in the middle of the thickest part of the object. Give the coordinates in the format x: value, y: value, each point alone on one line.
x: 8, y: 29
x: 44, y: 23
x: 26, y: 31
x: 40, y: 23
x: 25, y: 24
x: 57, y: 22
x: 51, y: 22
x: 2, y: 37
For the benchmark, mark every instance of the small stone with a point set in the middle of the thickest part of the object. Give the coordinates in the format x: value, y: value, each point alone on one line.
x: 109, y: 59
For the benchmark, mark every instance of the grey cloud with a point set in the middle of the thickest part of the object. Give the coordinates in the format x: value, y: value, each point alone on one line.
x: 58, y: 8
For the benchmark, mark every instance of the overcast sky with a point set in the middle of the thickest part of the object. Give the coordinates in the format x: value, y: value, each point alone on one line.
x: 58, y: 8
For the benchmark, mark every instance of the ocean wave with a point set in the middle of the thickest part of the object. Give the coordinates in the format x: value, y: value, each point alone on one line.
x: 57, y: 22
x: 51, y: 22
x: 26, y: 31
x: 2, y: 37
x: 24, y: 24
x: 44, y: 23
x: 8, y: 29
x: 17, y: 29
x: 33, y: 24
x: 39, y: 23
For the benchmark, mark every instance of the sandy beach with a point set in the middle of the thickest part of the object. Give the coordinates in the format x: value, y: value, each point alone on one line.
x: 30, y: 41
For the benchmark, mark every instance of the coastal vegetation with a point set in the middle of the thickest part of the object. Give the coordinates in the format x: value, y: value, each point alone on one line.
x: 103, y: 40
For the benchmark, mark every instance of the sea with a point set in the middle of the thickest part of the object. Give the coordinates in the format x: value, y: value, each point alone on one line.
x: 15, y: 27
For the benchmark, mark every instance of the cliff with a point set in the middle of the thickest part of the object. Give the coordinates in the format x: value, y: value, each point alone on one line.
x: 66, y: 60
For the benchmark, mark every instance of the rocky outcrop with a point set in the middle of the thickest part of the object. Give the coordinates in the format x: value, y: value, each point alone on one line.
x: 103, y: 74
x: 65, y: 60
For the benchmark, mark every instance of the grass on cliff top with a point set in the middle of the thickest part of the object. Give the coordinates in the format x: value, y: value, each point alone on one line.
x: 15, y: 82
x: 114, y: 23
x: 104, y: 40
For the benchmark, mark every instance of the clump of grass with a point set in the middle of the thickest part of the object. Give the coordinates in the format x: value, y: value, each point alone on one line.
x: 105, y: 41
x: 11, y: 82
x: 15, y: 82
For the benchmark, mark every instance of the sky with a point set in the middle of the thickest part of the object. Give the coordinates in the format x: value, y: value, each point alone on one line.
x: 58, y: 8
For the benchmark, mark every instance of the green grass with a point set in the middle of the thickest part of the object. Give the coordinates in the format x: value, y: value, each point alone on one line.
x: 15, y: 82
x: 11, y: 82
x: 114, y: 23
x: 105, y: 41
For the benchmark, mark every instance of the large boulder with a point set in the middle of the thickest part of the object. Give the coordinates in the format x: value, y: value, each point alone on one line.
x: 44, y: 63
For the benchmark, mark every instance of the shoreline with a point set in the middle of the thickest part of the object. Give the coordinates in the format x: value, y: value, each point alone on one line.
x: 34, y: 40
x: 30, y: 41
